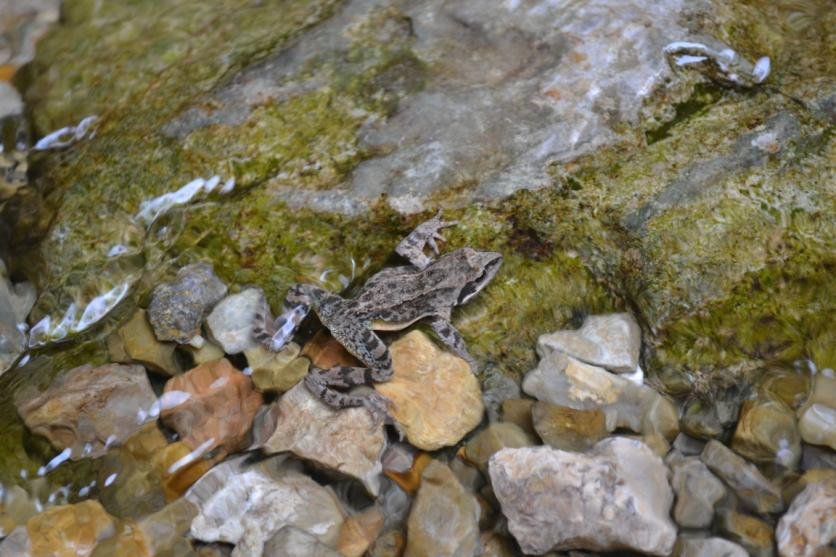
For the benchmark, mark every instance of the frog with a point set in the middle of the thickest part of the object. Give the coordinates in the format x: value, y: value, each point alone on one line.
x: 426, y: 290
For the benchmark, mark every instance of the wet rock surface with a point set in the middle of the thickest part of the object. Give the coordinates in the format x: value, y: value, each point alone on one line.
x: 614, y: 497
x: 435, y: 397
x: 15, y: 302
x: 751, y: 533
x: 177, y: 309
x: 246, y: 504
x: 754, y: 490
x: 231, y: 322
x: 444, y: 516
x: 135, y: 342
x: 276, y: 371
x: 211, y: 406
x: 609, y: 341
x: 707, y: 547
x: 565, y: 381
x: 697, y: 491
x: 482, y: 446
x: 87, y: 409
x: 807, y: 528
x: 566, y: 428
x: 346, y: 441
x: 767, y: 432
x: 817, y: 418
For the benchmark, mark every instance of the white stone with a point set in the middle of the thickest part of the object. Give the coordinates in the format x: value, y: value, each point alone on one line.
x: 809, y: 525
x: 616, y: 496
x: 344, y: 440
x: 245, y: 504
x: 231, y: 321
x: 610, y: 341
x: 817, y: 417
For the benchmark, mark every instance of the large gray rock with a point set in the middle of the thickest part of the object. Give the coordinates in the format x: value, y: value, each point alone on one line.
x: 247, y: 504
x: 614, y: 497
x: 610, y: 341
x: 754, y: 490
x: 809, y: 526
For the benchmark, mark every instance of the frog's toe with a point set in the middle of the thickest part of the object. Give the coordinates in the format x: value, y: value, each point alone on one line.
x: 378, y: 407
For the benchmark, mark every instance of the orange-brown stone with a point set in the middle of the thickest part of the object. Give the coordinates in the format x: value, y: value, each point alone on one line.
x: 217, y: 407
x: 324, y: 351
x: 69, y: 530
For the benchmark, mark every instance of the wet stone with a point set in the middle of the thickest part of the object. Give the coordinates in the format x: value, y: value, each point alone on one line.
x: 808, y: 478
x: 708, y: 419
x: 497, y: 387
x: 211, y: 406
x: 809, y: 526
x: 565, y: 381
x: 444, y: 517
x: 753, y: 534
x: 817, y: 418
x: 69, y: 530
x: 177, y: 309
x: 87, y: 409
x: 166, y: 529
x: 496, y: 436
x: 707, y: 547
x: 231, y: 321
x: 566, y: 428
x: 134, y: 342
x: 754, y: 490
x: 293, y: 542
x: 16, y: 301
x: 435, y: 397
x: 518, y: 411
x: 359, y: 532
x: 556, y: 500
x: 688, y: 445
x: 343, y: 440
x: 610, y: 341
x: 766, y: 433
x: 407, y: 475
x: 245, y: 504
x: 697, y: 491
x: 206, y: 352
x: 276, y: 371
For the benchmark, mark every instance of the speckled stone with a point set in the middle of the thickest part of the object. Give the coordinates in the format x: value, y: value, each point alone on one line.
x: 177, y: 309
x: 556, y: 500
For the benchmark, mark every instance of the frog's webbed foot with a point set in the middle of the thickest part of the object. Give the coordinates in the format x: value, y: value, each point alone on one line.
x: 425, y: 234
x: 450, y: 336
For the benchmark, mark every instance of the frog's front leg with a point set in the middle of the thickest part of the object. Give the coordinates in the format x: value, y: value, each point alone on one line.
x: 425, y: 234
x: 366, y: 346
x: 275, y: 334
x: 453, y: 339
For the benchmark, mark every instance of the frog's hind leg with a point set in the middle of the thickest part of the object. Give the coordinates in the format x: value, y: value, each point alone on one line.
x: 370, y: 350
x: 426, y: 233
x: 452, y: 338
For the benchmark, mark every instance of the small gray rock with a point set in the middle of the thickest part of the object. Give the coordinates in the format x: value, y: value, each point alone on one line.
x: 754, y: 490
x: 231, y: 322
x: 697, y: 490
x: 177, y: 308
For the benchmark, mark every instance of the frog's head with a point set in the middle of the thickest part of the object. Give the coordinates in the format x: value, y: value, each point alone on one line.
x: 480, y: 268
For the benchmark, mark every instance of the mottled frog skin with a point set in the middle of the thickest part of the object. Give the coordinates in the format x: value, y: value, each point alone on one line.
x: 393, y: 299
